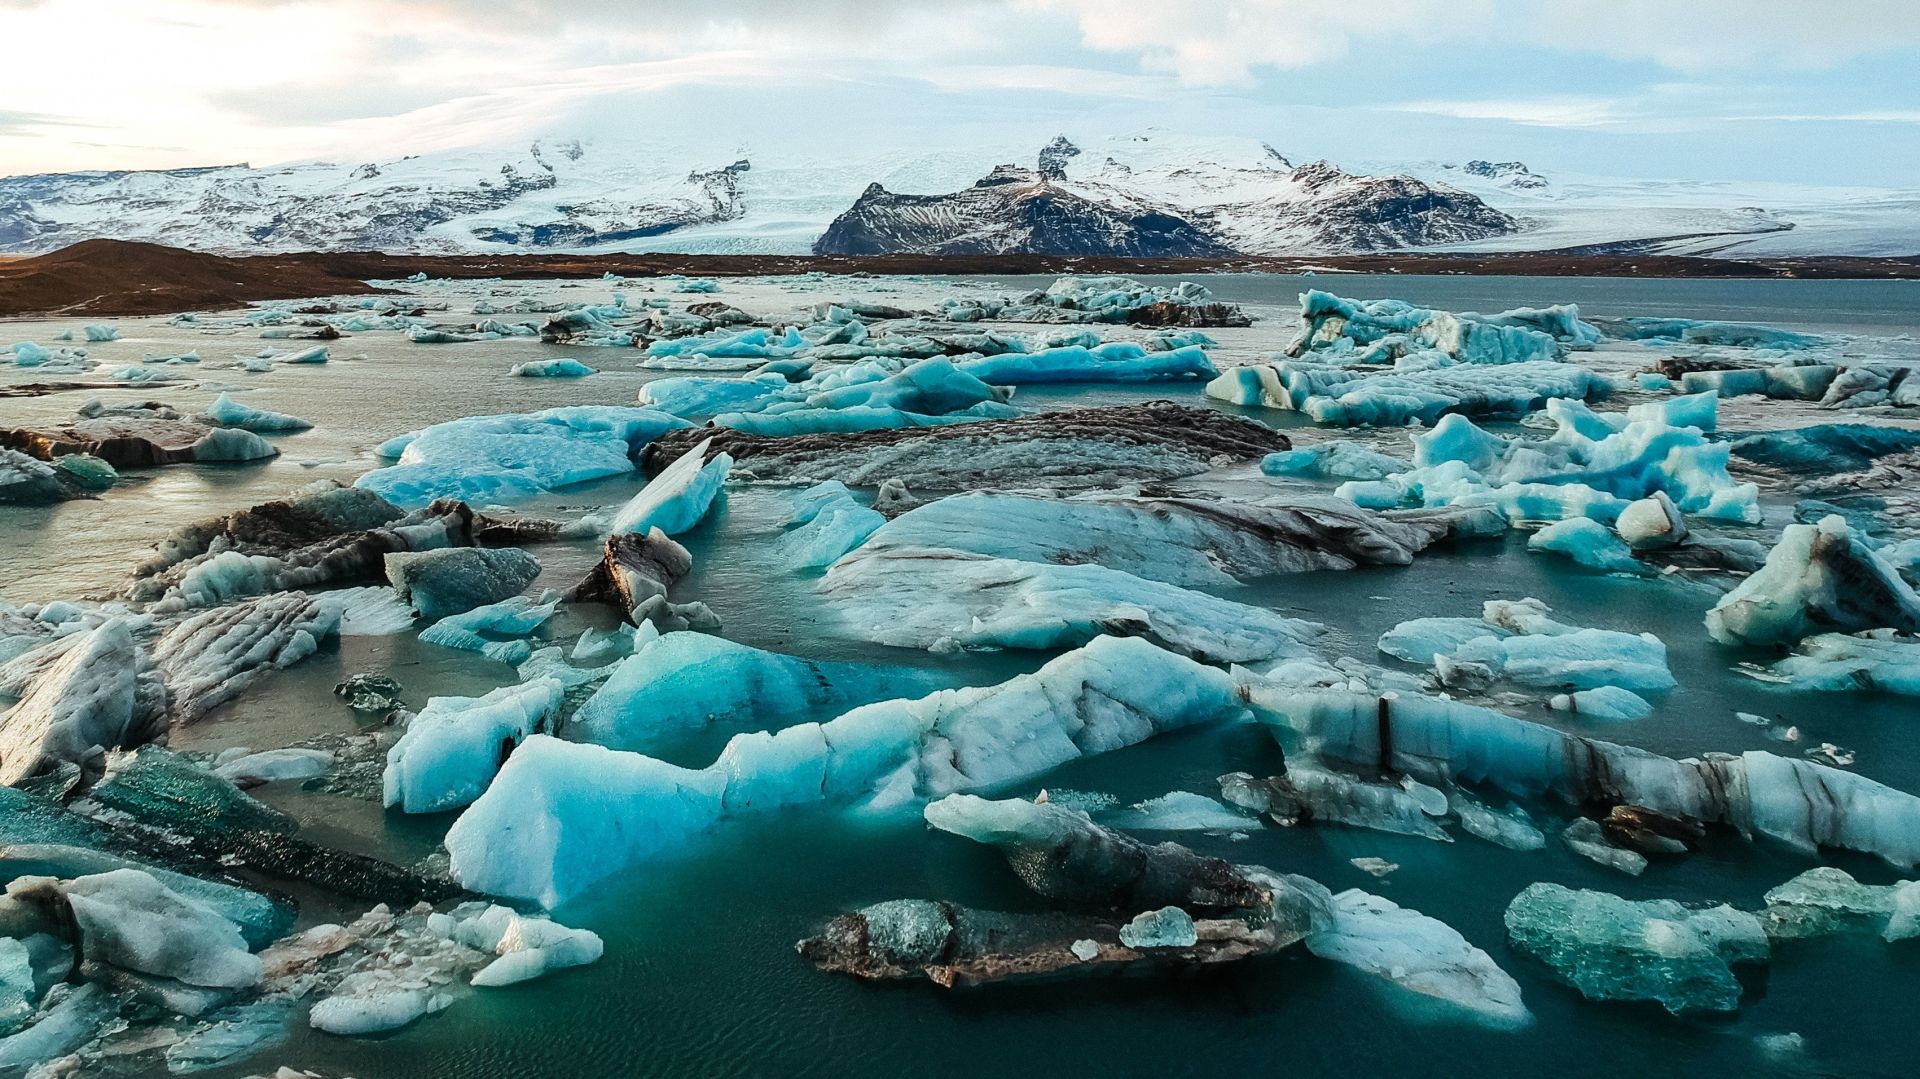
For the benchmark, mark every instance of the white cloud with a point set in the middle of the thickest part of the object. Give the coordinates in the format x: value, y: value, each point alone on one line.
x: 1535, y: 112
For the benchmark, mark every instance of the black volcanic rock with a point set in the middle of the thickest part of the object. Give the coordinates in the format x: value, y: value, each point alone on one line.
x: 1012, y: 210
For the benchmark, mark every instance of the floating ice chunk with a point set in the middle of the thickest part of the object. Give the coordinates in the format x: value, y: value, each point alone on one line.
x: 1602, y: 702
x: 1185, y: 541
x: 1509, y: 827
x: 1827, y: 901
x: 274, y: 765
x: 99, y: 334
x: 501, y: 624
x: 1181, y: 811
x: 527, y: 946
x: 230, y: 413
x: 599, y: 646
x: 931, y: 387
x: 129, y: 919
x: 93, y: 696
x: 1870, y: 662
x: 453, y: 580
x: 829, y: 524
x: 503, y: 458
x: 561, y: 368
x: 1351, y: 396
x: 1337, y: 458
x: 452, y: 749
x: 700, y: 398
x: 1586, y: 838
x: 1384, y: 329
x: 678, y: 498
x: 71, y: 1021
x: 945, y: 599
x: 1695, y: 332
x: 1584, y: 659
x: 1116, y: 361
x: 354, y: 1013
x: 1797, y: 802
x: 685, y: 681
x: 1610, y: 948
x: 1422, y: 640
x: 1309, y: 793
x: 1168, y: 927
x: 1589, y: 543
x: 1651, y: 523
x: 1818, y: 577
x: 372, y: 611
x: 561, y: 815
x: 1419, y: 954
x: 1827, y: 448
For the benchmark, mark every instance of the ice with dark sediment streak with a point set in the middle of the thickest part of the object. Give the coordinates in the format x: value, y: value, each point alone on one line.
x: 452, y: 748
x: 504, y: 458
x: 1801, y: 804
x: 1068, y: 449
x: 213, y: 656
x: 680, y: 682
x: 1336, y: 458
x: 1819, y: 577
x: 97, y: 694
x: 452, y: 580
x: 128, y: 919
x: 561, y: 816
x: 1183, y: 541
x: 945, y: 600
x: 29, y: 481
x: 1657, y: 950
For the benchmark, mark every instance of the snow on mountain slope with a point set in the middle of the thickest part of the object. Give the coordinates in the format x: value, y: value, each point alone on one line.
x: 1150, y: 193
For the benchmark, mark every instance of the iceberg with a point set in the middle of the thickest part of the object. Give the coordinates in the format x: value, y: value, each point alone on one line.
x: 561, y: 816
x: 1589, y: 543
x: 1182, y: 811
x: 511, y: 619
x: 560, y: 368
x: 827, y: 524
x: 1826, y: 901
x: 131, y: 920
x: 1334, y: 459
x: 697, y: 398
x: 1419, y: 954
x: 678, y: 498
x: 93, y: 697
x: 1872, y: 662
x: 1819, y: 577
x: 635, y: 570
x: 1116, y: 361
x: 1183, y: 541
x: 453, y: 580
x: 1516, y: 641
x: 1350, y: 397
x: 451, y: 750
x: 680, y: 682
x: 1657, y: 950
x: 516, y: 456
x: 1602, y: 702
x: 1695, y: 332
x: 1168, y: 927
x: 227, y: 412
x: 1385, y: 330
x: 942, y: 600
x: 527, y: 946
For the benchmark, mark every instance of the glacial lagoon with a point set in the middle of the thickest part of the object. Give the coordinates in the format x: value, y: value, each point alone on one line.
x: 699, y: 974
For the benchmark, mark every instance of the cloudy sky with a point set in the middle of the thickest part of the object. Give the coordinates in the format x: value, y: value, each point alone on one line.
x: 1714, y: 89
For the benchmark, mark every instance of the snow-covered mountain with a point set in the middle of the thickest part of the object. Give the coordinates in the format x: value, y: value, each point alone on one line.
x: 1160, y: 196
x: 1146, y: 194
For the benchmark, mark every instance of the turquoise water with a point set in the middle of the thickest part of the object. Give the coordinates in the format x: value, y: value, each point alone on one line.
x: 700, y: 977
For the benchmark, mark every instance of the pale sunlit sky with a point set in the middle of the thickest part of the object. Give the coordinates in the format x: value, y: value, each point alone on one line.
x: 1714, y: 89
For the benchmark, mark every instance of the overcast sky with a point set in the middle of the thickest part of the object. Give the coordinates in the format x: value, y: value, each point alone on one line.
x: 1794, y: 90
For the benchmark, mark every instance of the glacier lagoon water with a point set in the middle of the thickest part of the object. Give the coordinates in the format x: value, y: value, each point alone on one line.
x: 700, y: 976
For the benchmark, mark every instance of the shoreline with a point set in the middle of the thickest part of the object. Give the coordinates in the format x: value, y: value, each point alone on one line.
x: 114, y: 277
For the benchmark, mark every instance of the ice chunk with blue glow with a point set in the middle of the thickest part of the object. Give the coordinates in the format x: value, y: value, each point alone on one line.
x: 1875, y: 662
x: 494, y: 630
x: 703, y: 284
x: 1353, y: 396
x: 561, y: 368
x: 1382, y: 330
x: 562, y: 815
x: 1602, y: 702
x: 682, y: 682
x: 1589, y: 543
x: 1419, y: 954
x: 230, y: 413
x: 698, y: 397
x: 1694, y: 332
x: 930, y: 387
x: 942, y: 599
x: 804, y: 421
x: 596, y: 646
x: 481, y: 459
x: 452, y: 749
x: 1818, y: 577
x: 1168, y: 927
x: 98, y: 334
x: 756, y: 343
x: 1181, y: 811
x: 1337, y: 458
x: 829, y: 524
x: 1611, y: 948
x: 452, y: 580
x: 1421, y: 640
x: 679, y: 497
x: 1116, y: 361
